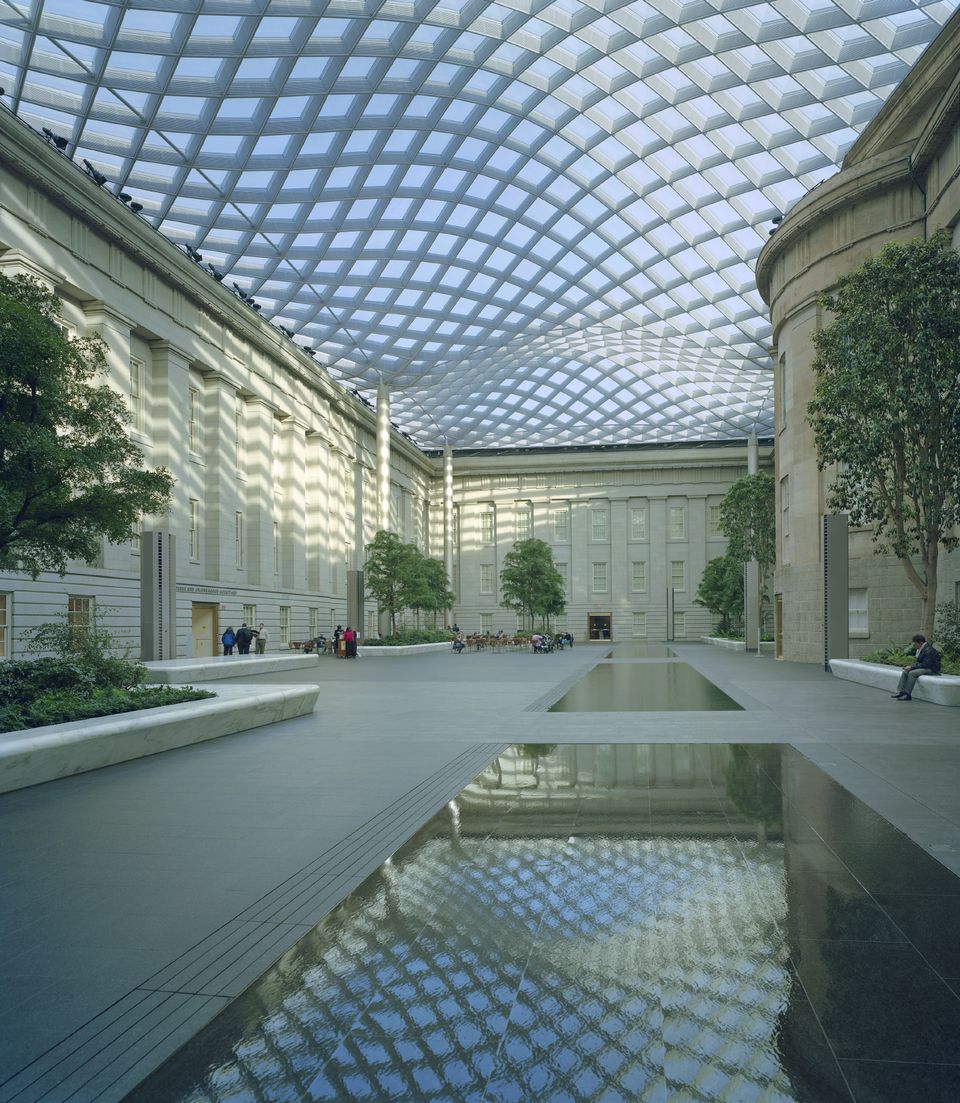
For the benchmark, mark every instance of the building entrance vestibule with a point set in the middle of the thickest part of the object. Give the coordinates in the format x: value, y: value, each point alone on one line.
x: 599, y: 626
x: 206, y: 630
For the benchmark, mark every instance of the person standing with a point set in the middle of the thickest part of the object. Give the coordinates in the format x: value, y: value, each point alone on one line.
x: 228, y: 639
x: 262, y: 636
x: 337, y: 633
x: 350, y: 643
x: 927, y: 661
x: 244, y: 638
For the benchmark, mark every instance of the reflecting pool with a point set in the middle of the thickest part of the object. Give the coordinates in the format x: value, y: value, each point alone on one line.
x: 644, y: 687
x: 656, y: 923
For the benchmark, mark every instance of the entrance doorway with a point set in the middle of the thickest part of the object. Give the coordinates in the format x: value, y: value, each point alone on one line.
x: 599, y: 626
x: 206, y: 630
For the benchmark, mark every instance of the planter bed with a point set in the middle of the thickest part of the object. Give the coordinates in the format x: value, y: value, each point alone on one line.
x: 219, y: 667
x: 938, y: 689
x: 368, y: 651
x: 736, y: 645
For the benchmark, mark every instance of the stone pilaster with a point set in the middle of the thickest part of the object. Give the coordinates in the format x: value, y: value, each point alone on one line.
x: 293, y: 519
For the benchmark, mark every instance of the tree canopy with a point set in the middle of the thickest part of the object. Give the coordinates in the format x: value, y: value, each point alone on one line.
x: 530, y: 582
x: 721, y: 591
x: 886, y: 404
x: 69, y: 473
x: 748, y: 520
x: 401, y: 577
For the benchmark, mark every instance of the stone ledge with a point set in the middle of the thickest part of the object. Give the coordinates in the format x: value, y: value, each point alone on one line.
x: 189, y: 671
x: 938, y: 689
x: 60, y: 750
x: 736, y: 645
x: 369, y: 652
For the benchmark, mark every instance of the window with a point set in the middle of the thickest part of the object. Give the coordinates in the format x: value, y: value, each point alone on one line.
x: 195, y: 421
x: 561, y: 525
x: 782, y: 388
x: 599, y: 578
x: 314, y: 622
x: 486, y: 527
x: 524, y: 521
x: 679, y: 625
x: 713, y: 521
x: 678, y: 574
x: 598, y: 524
x: 486, y: 578
x: 640, y: 624
x: 194, y: 528
x: 678, y: 523
x: 638, y: 523
x: 137, y: 396
x: 6, y: 602
x: 284, y: 624
x: 639, y: 577
x: 276, y: 547
x: 486, y: 623
x: 238, y: 436
x: 81, y: 611
x: 859, y: 620
x: 371, y: 623
x: 249, y: 617
x: 238, y: 539
x: 333, y: 619
x: 563, y: 569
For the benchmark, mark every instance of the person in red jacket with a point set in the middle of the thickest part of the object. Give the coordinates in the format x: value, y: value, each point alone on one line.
x: 350, y: 639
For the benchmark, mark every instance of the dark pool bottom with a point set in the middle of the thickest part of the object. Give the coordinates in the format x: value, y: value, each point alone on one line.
x: 655, y: 923
x: 644, y: 687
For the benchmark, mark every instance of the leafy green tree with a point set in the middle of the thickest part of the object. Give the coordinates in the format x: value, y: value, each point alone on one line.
x: 69, y: 473
x: 530, y: 582
x: 389, y: 573
x: 886, y: 405
x: 748, y: 520
x: 721, y: 591
x: 428, y: 588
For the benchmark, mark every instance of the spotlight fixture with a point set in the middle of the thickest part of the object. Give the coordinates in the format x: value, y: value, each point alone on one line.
x: 136, y: 207
x: 777, y: 219
x: 217, y: 275
x: 54, y: 139
x: 286, y: 332
x: 124, y: 197
x: 97, y: 177
x: 193, y: 254
x: 253, y: 305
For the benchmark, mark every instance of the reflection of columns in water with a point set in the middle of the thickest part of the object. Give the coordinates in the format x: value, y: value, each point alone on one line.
x: 391, y: 888
x: 448, y: 515
x: 456, y: 839
x: 383, y: 459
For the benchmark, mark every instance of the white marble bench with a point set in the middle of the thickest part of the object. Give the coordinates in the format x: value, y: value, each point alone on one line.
x: 938, y: 689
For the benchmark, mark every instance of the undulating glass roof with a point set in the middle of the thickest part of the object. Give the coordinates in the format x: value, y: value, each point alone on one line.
x: 536, y: 221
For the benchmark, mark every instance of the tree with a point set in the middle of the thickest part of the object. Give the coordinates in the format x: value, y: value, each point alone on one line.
x: 721, y: 591
x: 748, y: 520
x: 886, y: 404
x: 530, y: 582
x: 69, y: 473
x: 428, y: 587
x: 389, y: 573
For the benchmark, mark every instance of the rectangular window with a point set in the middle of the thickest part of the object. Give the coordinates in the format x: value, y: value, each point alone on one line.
x: 137, y: 395
x: 679, y: 626
x: 859, y: 620
x: 524, y: 522
x: 81, y: 611
x: 598, y: 524
x: 314, y: 622
x: 563, y: 569
x: 276, y: 547
x: 194, y: 528
x: 486, y: 527
x: 238, y: 539
x: 284, y: 624
x: 638, y: 523
x: 678, y: 574
x: 238, y: 437
x: 599, y: 578
x: 639, y: 577
x: 333, y: 619
x: 640, y: 624
x: 561, y: 525
x: 782, y: 388
x: 486, y: 578
x: 713, y: 521
x: 6, y: 601
x: 486, y: 623
x: 195, y: 421
x: 678, y: 523
x: 249, y: 617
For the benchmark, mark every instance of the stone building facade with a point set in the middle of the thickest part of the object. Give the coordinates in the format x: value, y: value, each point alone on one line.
x: 900, y: 180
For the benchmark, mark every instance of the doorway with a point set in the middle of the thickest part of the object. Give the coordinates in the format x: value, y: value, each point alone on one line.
x: 206, y: 631
x: 599, y: 626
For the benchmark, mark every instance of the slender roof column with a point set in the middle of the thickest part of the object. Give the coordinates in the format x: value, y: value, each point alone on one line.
x: 448, y: 513
x: 383, y: 458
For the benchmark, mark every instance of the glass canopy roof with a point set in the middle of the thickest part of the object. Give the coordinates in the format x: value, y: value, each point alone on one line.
x: 535, y: 220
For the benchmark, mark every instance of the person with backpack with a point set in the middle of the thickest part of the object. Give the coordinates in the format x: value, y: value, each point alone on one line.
x: 228, y: 639
x: 244, y: 639
x: 927, y: 661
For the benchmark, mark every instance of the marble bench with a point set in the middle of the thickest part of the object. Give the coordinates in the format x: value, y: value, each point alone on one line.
x: 938, y: 689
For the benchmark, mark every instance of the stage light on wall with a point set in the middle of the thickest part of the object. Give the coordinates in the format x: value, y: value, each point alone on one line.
x: 97, y: 177
x: 54, y: 139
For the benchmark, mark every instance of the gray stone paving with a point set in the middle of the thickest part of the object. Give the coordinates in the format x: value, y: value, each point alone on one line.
x: 136, y: 900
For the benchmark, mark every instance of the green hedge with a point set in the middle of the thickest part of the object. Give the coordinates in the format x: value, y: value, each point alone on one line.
x: 412, y: 636
x: 62, y: 705
x: 893, y: 656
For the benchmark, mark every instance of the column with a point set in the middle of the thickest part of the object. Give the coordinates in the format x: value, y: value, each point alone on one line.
x: 170, y: 382
x: 383, y: 458
x: 448, y: 522
x: 222, y: 498
x: 293, y: 522
x: 263, y: 497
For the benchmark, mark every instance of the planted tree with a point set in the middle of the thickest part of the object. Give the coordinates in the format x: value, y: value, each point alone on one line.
x: 530, y: 582
x: 389, y: 573
x: 748, y: 520
x: 886, y: 405
x: 428, y: 589
x: 69, y: 473
x: 721, y: 591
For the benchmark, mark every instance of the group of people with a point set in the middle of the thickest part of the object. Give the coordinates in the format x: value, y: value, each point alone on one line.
x: 542, y: 643
x: 243, y: 637
x: 349, y: 637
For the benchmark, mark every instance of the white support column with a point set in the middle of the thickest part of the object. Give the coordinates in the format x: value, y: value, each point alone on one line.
x: 383, y: 458
x: 262, y: 496
x: 448, y: 521
x: 170, y: 382
x: 293, y: 522
x: 222, y: 498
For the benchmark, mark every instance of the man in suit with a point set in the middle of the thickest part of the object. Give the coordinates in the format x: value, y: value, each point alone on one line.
x: 927, y: 661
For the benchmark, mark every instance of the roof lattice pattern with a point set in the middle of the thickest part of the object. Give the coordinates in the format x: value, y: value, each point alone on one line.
x: 536, y: 221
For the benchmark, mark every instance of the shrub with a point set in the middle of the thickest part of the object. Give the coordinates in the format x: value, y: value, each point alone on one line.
x: 60, y: 706
x: 894, y: 655
x: 408, y: 636
x: 90, y: 647
x: 947, y: 635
